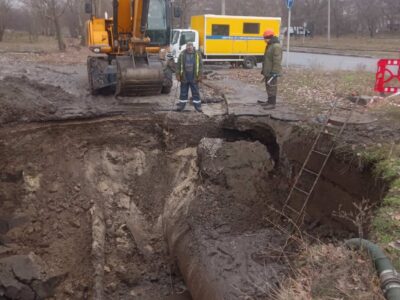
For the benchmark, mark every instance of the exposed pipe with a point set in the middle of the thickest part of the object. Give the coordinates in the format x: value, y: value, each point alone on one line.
x: 390, y: 280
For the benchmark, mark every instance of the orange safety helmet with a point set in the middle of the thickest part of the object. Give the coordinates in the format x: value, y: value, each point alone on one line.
x: 269, y: 33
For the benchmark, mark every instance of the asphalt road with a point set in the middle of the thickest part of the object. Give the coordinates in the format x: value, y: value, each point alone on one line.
x: 331, y: 62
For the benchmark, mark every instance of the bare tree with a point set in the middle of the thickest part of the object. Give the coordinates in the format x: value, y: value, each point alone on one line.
x: 36, y: 18
x: 5, y: 8
x: 49, y: 12
x: 314, y: 12
x: 75, y: 19
x: 370, y: 11
x: 391, y: 11
x: 268, y: 8
x: 41, y: 20
x: 97, y: 7
x: 338, y: 17
x: 100, y: 6
x: 183, y: 19
x: 49, y: 17
x: 54, y: 10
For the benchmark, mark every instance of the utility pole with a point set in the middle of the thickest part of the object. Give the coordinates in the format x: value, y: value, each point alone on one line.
x: 289, y: 5
x: 329, y: 21
x: 222, y: 7
x: 288, y: 37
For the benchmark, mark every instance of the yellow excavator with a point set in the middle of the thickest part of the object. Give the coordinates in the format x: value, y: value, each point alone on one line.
x: 130, y: 48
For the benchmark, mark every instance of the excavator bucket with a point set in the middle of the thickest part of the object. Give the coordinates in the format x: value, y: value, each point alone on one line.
x: 139, y: 76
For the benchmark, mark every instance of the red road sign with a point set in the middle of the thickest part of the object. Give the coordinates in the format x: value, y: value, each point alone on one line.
x: 385, y: 77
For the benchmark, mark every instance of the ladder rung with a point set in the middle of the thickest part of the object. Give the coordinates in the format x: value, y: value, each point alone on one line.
x: 300, y: 190
x: 290, y: 208
x: 328, y: 133
x: 310, y: 171
x: 332, y: 128
x: 343, y: 108
x: 320, y: 153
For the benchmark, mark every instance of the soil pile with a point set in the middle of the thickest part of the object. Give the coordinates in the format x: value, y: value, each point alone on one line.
x: 218, y: 230
x: 24, y: 100
x: 53, y: 183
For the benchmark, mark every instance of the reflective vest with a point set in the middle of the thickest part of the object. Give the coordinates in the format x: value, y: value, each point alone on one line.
x: 196, y: 66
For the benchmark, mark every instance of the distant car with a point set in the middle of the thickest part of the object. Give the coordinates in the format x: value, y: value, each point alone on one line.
x: 296, y: 31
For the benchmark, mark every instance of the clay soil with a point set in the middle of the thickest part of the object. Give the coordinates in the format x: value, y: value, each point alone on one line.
x: 84, y: 184
x: 96, y: 194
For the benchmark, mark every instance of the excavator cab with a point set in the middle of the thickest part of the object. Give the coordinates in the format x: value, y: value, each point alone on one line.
x: 130, y: 48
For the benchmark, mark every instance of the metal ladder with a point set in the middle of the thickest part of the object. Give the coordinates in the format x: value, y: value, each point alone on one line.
x: 297, y: 217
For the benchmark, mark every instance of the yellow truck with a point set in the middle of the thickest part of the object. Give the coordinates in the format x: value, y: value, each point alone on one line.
x: 222, y: 38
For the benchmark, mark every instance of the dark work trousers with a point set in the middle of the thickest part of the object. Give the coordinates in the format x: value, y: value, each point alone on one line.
x: 185, y: 85
x: 272, y: 89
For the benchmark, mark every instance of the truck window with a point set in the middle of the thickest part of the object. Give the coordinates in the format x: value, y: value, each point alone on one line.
x: 175, y: 37
x: 220, y: 29
x: 251, y: 28
x: 157, y: 25
x: 188, y: 36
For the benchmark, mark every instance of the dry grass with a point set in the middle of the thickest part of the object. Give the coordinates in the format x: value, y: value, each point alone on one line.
x: 326, y: 271
x: 330, y: 272
x: 381, y: 45
x: 43, y: 50
x: 312, y: 90
x: 387, y: 108
x: 21, y: 42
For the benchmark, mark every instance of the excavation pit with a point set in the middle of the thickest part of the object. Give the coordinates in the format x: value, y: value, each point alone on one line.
x: 156, y: 207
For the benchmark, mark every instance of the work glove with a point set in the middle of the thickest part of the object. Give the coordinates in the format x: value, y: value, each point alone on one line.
x: 199, y: 79
x: 178, y: 77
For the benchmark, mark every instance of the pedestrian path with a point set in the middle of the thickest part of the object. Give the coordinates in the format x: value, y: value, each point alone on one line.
x: 241, y: 100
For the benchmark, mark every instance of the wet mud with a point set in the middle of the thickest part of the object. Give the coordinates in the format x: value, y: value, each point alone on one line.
x: 106, y: 198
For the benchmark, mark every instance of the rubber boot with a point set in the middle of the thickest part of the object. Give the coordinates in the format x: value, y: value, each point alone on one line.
x: 180, y: 106
x: 271, y: 103
x: 197, y: 107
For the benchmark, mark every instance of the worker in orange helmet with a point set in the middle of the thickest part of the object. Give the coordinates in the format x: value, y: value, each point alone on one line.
x: 271, y: 67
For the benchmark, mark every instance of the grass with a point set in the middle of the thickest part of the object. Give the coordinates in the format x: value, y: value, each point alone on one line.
x: 388, y: 110
x: 45, y: 49
x: 302, y: 89
x: 380, y: 45
x: 312, y: 90
x: 326, y: 271
x: 21, y: 42
x: 386, y: 222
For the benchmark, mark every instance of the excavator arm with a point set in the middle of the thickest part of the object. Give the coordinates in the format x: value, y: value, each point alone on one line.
x: 133, y: 65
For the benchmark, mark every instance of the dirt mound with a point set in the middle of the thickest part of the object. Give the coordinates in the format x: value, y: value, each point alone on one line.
x: 89, y: 199
x: 23, y: 277
x: 97, y: 199
x: 52, y: 184
x: 215, y: 221
x: 22, y: 99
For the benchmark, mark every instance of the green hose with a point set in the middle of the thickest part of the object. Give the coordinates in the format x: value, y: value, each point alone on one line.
x: 390, y: 280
